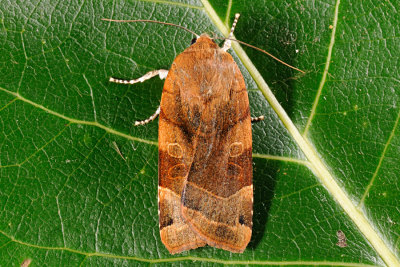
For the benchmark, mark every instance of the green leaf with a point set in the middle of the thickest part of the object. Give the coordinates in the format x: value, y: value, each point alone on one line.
x: 78, y: 182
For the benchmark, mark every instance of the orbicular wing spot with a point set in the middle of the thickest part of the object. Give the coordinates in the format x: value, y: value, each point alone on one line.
x: 175, y: 150
x: 177, y: 171
x: 235, y: 149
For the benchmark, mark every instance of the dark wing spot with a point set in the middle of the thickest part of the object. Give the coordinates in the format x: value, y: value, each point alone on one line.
x: 177, y: 172
x: 193, y: 40
x: 234, y: 171
x: 241, y: 219
x: 169, y: 222
x: 166, y: 221
x: 222, y: 232
x: 191, y: 203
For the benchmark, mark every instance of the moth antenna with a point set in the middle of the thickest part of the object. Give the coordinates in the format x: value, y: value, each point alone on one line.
x: 263, y: 51
x: 237, y: 15
x: 228, y: 40
x: 155, y: 21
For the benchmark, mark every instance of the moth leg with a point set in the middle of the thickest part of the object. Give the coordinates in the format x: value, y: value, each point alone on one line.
x: 151, y: 118
x: 162, y: 73
x: 259, y: 118
x: 228, y: 42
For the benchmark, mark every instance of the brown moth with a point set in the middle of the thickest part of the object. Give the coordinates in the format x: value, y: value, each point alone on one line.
x: 205, y: 190
x: 205, y: 148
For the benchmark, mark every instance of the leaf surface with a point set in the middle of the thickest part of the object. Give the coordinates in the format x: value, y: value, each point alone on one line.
x: 78, y: 182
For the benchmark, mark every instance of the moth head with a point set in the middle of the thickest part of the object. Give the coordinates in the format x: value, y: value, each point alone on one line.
x: 204, y: 41
x: 203, y: 36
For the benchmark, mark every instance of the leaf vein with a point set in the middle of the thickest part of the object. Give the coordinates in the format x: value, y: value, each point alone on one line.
x: 298, y: 191
x: 228, y: 12
x: 77, y: 121
x: 92, y: 97
x: 38, y: 150
x: 61, y: 220
x: 172, y: 3
x: 385, y: 149
x: 326, y: 69
x: 281, y: 158
x: 190, y: 258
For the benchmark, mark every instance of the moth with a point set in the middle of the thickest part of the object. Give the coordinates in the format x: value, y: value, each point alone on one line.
x: 205, y: 191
